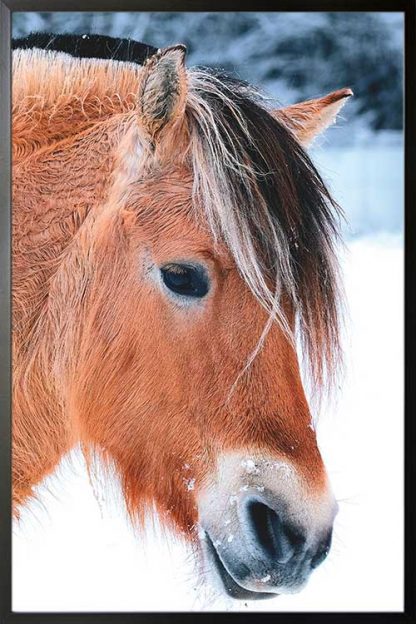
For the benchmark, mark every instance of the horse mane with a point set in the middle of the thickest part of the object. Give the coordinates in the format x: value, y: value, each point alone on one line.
x: 253, y: 183
x: 87, y: 46
x: 264, y: 197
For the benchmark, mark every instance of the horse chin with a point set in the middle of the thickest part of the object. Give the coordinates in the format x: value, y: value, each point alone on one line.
x: 228, y: 582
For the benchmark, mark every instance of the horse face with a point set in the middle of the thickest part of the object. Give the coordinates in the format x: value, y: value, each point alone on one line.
x: 215, y: 444
x: 165, y: 395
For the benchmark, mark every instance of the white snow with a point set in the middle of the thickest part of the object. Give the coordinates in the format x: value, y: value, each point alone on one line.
x: 249, y: 466
x: 190, y: 484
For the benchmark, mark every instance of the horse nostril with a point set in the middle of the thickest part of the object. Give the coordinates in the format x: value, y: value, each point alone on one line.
x: 276, y: 538
x: 322, y: 552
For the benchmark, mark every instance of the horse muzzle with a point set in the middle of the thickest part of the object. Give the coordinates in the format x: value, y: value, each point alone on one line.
x: 264, y: 531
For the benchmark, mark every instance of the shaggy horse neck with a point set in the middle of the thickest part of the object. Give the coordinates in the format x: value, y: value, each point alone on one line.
x: 67, y: 117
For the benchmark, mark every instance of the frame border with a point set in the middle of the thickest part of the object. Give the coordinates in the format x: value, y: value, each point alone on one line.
x: 7, y: 7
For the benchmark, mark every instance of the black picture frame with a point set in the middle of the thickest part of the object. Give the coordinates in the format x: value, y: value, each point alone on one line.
x: 7, y: 8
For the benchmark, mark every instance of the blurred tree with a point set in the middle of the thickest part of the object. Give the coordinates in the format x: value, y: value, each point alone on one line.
x: 347, y: 49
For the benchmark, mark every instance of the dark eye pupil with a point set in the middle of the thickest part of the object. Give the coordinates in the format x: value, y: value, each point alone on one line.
x: 185, y: 280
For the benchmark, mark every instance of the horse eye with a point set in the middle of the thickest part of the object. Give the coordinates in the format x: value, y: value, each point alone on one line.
x: 185, y: 280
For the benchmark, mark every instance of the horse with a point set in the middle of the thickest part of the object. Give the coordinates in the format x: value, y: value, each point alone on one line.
x: 173, y: 245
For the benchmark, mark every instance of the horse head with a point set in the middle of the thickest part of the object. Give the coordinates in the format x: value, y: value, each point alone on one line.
x: 213, y: 250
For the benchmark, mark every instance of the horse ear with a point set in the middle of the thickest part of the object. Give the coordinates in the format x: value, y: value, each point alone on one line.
x: 162, y: 89
x: 308, y: 119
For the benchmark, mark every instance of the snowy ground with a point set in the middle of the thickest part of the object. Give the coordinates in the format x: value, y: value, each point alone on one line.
x: 78, y: 553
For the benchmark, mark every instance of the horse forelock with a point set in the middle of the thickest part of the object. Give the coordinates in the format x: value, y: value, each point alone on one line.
x: 262, y: 196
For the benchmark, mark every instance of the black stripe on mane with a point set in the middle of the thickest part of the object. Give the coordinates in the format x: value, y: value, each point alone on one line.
x: 88, y: 46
